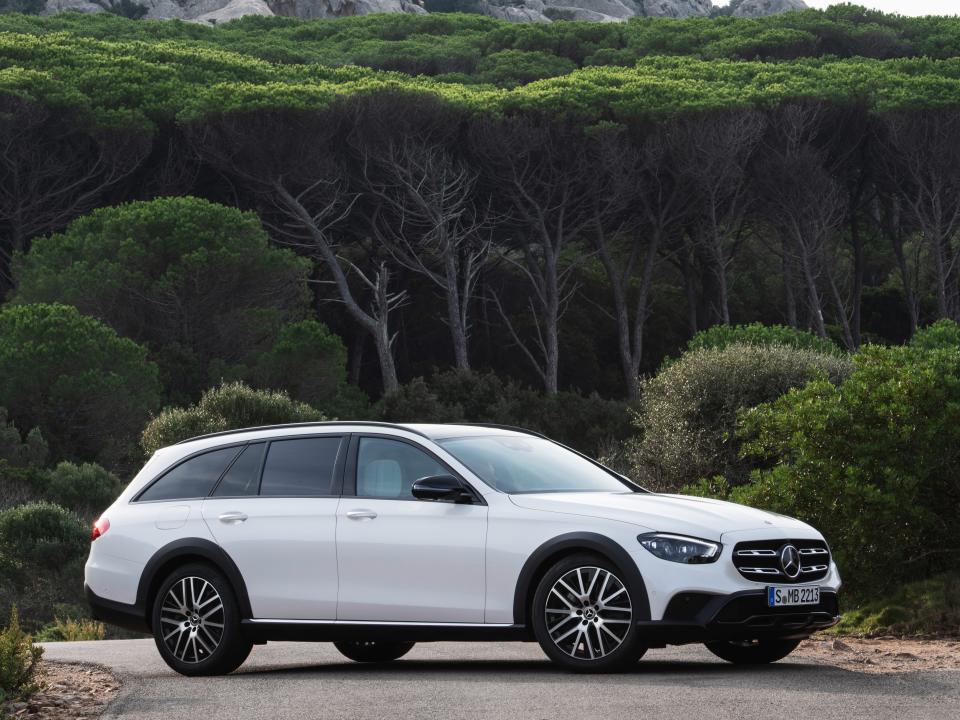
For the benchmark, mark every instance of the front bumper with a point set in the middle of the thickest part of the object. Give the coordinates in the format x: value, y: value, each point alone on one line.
x: 703, y: 617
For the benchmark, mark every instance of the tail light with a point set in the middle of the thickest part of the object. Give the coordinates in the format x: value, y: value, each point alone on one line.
x: 99, y: 528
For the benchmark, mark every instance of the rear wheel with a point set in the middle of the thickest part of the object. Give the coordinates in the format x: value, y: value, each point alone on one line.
x: 583, y: 616
x: 196, y: 622
x: 373, y: 651
x: 753, y: 652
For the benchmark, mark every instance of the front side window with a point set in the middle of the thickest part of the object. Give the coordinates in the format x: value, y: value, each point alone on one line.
x: 193, y: 478
x: 300, y: 468
x: 514, y: 464
x: 388, y: 468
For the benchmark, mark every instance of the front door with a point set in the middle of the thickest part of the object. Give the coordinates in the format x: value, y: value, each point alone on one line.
x: 402, y: 559
x: 274, y: 513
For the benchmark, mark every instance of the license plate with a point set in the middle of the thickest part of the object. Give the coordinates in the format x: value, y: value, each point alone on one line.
x: 791, y: 596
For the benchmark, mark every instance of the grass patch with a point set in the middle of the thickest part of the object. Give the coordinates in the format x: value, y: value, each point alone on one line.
x: 928, y: 608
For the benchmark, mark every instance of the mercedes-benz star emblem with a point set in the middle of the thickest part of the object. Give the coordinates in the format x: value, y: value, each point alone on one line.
x: 790, y: 561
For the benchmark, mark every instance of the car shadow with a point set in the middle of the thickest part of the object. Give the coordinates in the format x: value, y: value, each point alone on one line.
x: 523, y: 670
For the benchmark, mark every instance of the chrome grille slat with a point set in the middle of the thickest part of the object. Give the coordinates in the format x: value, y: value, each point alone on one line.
x: 759, y: 560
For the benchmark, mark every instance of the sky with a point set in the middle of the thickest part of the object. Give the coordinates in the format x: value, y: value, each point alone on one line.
x: 904, y: 7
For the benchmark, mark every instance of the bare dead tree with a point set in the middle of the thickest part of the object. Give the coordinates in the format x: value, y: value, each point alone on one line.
x: 887, y: 214
x: 307, y: 198
x: 431, y: 221
x: 802, y: 198
x: 638, y: 202
x: 52, y: 169
x: 538, y: 176
x: 920, y: 161
x: 714, y: 152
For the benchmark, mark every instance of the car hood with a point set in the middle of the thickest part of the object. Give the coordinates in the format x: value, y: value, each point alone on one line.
x: 698, y: 517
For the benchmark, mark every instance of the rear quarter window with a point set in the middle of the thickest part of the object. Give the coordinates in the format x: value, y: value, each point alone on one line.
x: 193, y: 478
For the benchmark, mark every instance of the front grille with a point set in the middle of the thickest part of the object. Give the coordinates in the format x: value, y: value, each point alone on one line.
x: 760, y: 560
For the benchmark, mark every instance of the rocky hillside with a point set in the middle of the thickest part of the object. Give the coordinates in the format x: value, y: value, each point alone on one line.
x: 220, y: 11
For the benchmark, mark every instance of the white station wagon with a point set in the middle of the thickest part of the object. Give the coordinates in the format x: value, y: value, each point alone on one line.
x: 376, y: 536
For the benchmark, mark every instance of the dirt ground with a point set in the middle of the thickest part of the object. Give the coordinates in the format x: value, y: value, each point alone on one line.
x: 882, y: 655
x: 67, y: 691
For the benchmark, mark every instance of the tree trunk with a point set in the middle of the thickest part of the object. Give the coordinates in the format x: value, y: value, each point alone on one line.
x: 859, y: 268
x: 456, y: 313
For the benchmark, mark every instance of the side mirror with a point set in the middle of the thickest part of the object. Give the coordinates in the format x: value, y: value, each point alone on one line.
x: 444, y: 488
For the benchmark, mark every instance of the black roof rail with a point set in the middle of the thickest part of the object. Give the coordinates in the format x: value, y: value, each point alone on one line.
x: 513, y: 428
x: 326, y: 423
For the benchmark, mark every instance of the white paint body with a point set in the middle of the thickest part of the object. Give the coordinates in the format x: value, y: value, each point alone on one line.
x: 415, y: 561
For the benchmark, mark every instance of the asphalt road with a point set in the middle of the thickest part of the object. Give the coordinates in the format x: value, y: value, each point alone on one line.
x: 513, y: 681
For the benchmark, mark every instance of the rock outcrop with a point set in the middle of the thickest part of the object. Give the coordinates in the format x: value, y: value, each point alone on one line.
x: 675, y: 8
x: 758, y: 8
x: 220, y: 11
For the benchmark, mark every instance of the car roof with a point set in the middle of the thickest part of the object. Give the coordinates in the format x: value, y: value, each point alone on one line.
x: 431, y: 431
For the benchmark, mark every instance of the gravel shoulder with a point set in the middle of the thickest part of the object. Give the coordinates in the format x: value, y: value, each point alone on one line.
x: 68, y: 690
x: 882, y: 655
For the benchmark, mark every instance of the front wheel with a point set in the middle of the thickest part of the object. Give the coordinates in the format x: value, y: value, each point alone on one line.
x: 752, y: 652
x: 583, y: 616
x: 373, y: 651
x: 196, y: 622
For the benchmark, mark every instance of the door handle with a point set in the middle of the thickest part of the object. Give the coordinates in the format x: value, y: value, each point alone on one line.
x: 361, y: 514
x: 232, y: 517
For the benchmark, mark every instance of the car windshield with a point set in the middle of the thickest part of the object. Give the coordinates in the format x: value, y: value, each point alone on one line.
x: 516, y: 465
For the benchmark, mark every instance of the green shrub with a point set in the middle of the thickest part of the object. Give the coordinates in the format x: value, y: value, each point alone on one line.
x: 230, y: 406
x: 87, y: 489
x: 310, y: 363
x: 721, y: 336
x: 942, y: 334
x: 927, y: 607
x: 194, y: 281
x: 509, y: 68
x: 688, y: 412
x: 587, y: 423
x: 42, y: 551
x: 38, y: 538
x: 72, y: 630
x: 87, y: 389
x: 17, y: 451
x: 871, y: 463
x: 19, y: 660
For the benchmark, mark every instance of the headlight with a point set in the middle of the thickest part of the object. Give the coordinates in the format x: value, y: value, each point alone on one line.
x: 677, y: 548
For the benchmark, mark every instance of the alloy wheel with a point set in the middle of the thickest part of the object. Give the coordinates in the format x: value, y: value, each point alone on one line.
x: 588, y: 613
x: 192, y: 619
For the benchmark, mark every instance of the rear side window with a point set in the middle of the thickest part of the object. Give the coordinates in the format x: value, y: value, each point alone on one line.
x: 300, y: 467
x: 243, y: 477
x: 193, y: 478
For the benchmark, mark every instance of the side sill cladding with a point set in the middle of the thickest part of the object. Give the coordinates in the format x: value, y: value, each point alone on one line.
x: 192, y: 548
x: 540, y: 559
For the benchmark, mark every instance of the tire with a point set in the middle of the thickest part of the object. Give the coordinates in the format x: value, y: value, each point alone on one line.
x: 578, y: 631
x: 753, y: 652
x: 373, y: 651
x: 196, y: 622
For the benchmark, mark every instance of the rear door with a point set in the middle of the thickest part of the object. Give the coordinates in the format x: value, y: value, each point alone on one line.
x: 274, y: 513
x: 402, y: 559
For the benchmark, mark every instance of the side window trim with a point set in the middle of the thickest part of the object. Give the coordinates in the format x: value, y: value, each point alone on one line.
x: 350, y: 474
x: 163, y: 473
